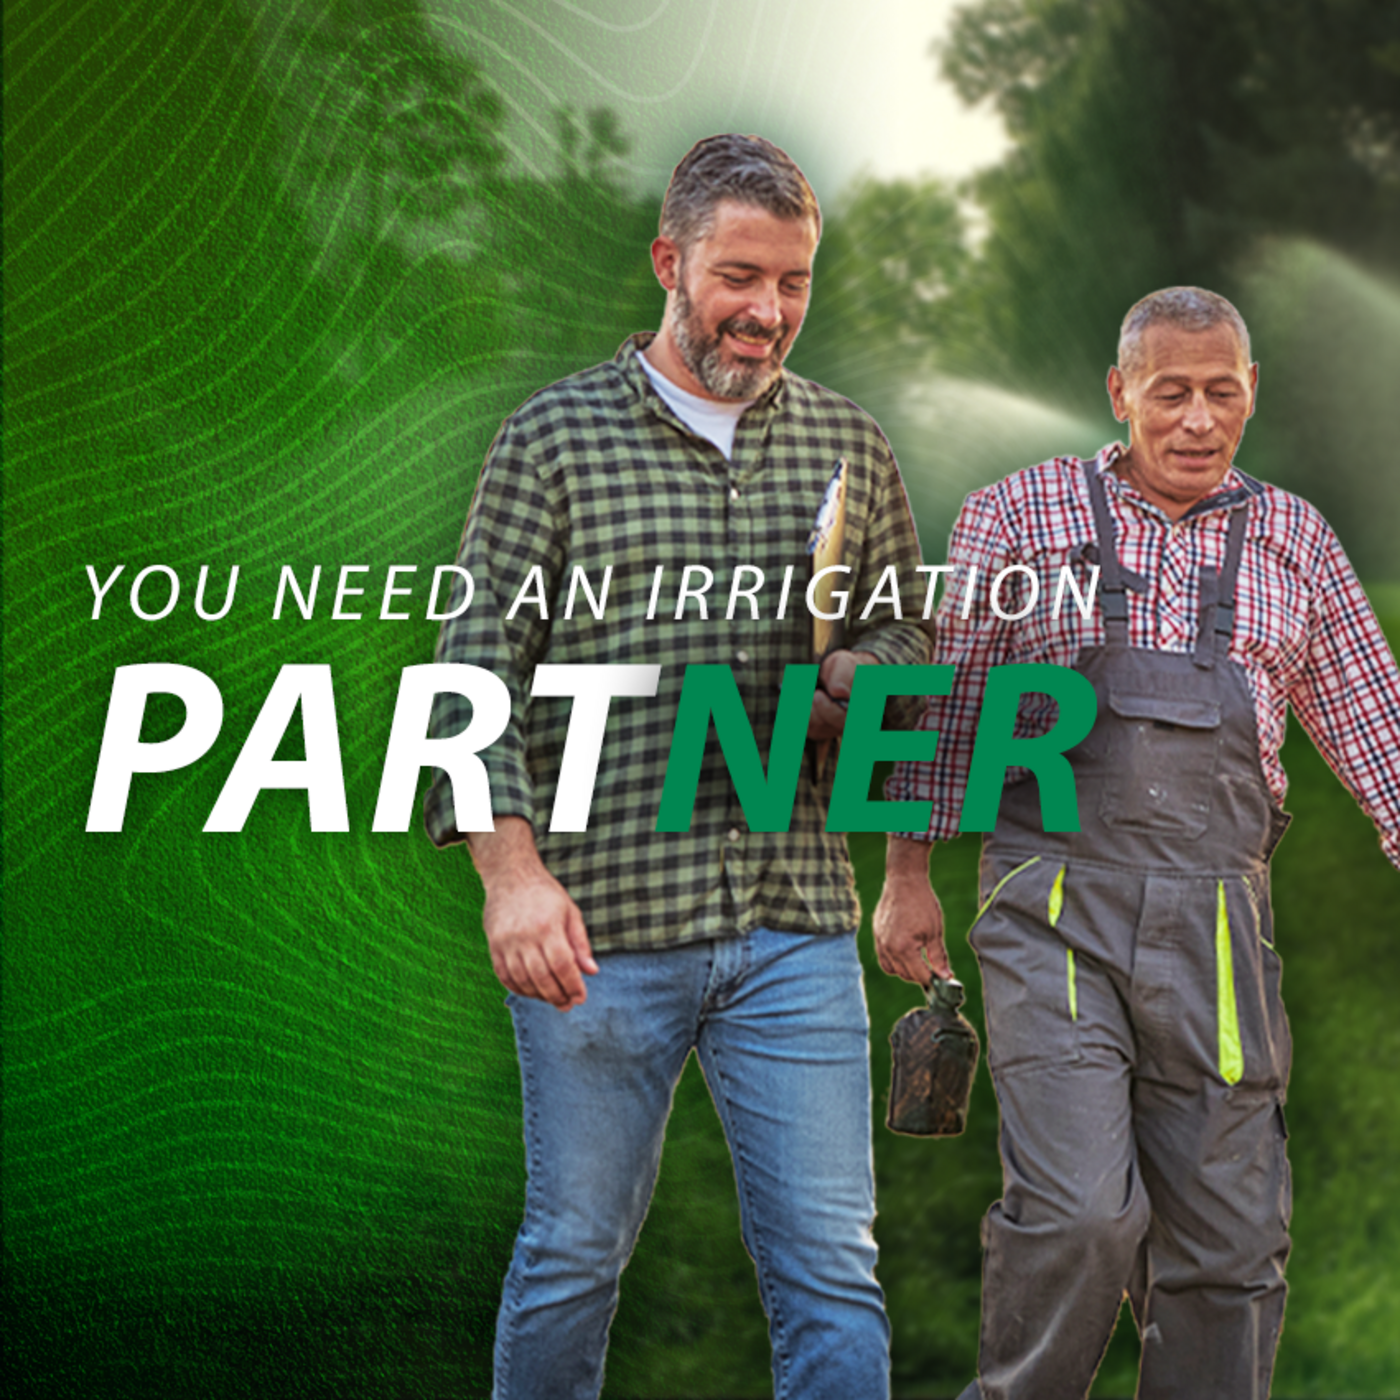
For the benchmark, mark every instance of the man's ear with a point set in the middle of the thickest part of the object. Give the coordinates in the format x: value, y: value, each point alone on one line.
x: 666, y: 261
x: 1118, y: 394
x: 1253, y: 388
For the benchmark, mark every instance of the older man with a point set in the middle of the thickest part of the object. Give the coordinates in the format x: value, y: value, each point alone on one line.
x: 693, y: 453
x: 1136, y: 1037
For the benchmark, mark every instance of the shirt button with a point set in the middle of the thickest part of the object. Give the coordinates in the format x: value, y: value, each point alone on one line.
x: 742, y: 657
x: 734, y: 833
x: 733, y: 493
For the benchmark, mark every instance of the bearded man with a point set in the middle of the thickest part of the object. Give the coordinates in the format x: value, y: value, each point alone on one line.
x: 623, y: 948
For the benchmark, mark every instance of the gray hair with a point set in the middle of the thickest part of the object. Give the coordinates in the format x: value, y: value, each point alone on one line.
x: 747, y: 169
x: 1190, y: 308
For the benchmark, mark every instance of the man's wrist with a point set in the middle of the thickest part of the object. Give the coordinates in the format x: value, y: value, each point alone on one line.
x: 507, y: 853
x: 906, y: 858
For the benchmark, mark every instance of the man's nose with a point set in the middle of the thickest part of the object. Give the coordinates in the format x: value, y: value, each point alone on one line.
x: 1199, y: 418
x: 765, y: 307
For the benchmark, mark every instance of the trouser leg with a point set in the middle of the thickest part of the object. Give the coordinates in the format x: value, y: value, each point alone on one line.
x: 1210, y: 1298
x: 1061, y: 1244
x: 785, y: 1050
x: 597, y: 1085
x: 1211, y: 1143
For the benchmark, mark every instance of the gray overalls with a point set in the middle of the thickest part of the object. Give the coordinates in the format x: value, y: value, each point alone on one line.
x: 1136, y: 1036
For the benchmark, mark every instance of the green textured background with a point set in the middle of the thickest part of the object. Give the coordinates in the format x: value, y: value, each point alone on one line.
x: 261, y: 1108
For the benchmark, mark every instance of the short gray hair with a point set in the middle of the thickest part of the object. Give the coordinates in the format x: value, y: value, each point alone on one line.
x: 1190, y: 308
x: 746, y: 169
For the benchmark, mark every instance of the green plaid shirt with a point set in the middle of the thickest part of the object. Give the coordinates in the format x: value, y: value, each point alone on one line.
x: 596, y: 471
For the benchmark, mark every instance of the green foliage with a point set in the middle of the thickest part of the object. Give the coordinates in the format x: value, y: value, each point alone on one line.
x: 381, y: 121
x: 572, y: 256
x: 888, y: 311
x: 891, y: 252
x: 1327, y: 335
x: 1248, y: 147
x: 591, y: 147
x: 1155, y: 141
x: 387, y: 142
x: 1010, y: 52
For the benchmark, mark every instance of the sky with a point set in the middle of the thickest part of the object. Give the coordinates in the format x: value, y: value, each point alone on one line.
x: 844, y: 87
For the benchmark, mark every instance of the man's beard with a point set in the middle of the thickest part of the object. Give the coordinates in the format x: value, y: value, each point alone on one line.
x: 704, y: 355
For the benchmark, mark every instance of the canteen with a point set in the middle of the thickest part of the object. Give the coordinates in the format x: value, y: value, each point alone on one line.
x: 934, y: 1055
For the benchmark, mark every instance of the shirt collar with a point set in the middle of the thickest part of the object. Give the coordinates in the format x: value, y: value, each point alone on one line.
x: 1232, y: 490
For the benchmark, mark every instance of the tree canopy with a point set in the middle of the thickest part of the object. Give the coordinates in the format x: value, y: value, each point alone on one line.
x: 1157, y: 141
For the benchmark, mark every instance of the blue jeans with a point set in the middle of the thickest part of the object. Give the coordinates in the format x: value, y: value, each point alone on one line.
x: 778, y: 1021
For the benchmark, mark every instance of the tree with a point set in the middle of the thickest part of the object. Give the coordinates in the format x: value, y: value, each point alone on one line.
x: 572, y: 250
x: 591, y: 147
x: 1156, y: 140
x: 892, y: 253
x: 389, y: 145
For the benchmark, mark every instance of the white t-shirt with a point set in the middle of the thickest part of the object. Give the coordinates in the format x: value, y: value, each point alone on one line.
x: 714, y: 419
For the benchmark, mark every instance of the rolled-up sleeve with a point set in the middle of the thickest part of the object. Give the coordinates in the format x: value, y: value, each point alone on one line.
x: 1348, y: 695
x: 514, y: 528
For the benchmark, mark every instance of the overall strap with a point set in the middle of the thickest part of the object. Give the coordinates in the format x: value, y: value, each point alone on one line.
x: 1229, y: 577
x: 1114, y: 592
x: 1216, y: 619
x: 1208, y: 590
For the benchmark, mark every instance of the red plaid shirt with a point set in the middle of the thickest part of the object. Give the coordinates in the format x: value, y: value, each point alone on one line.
x: 1304, y: 630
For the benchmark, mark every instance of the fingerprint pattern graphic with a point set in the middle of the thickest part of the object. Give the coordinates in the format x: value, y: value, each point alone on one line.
x: 274, y: 274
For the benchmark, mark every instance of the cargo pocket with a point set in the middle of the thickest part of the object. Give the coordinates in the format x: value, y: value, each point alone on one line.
x: 1029, y: 977
x: 1284, y: 1171
x: 1275, y: 1017
x: 1254, y: 1044
x: 1161, y: 762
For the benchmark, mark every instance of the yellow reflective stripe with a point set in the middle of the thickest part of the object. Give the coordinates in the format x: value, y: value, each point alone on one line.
x: 1226, y: 1014
x: 996, y: 889
x: 1057, y: 898
x: 1052, y: 912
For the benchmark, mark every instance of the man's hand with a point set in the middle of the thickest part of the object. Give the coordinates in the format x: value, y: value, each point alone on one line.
x: 908, y: 919
x: 834, y: 681
x: 535, y: 931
